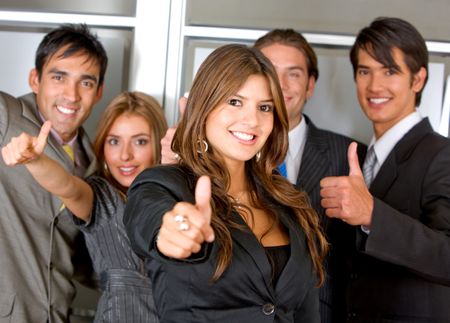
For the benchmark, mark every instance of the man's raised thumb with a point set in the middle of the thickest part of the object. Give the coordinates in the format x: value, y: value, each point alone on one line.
x: 41, y: 140
x: 353, y: 162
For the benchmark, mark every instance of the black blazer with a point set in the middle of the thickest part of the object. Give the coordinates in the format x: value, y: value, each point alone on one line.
x: 401, y: 272
x: 183, y: 290
x: 325, y: 154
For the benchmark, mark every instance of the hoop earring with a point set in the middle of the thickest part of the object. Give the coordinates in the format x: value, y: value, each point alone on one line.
x: 258, y: 156
x: 205, y: 147
x: 105, y: 168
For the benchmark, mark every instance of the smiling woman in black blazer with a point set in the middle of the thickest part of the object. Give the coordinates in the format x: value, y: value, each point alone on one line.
x: 240, y: 244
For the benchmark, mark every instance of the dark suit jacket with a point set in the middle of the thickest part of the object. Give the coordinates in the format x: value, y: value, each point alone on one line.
x: 402, y: 270
x: 325, y: 154
x: 183, y: 290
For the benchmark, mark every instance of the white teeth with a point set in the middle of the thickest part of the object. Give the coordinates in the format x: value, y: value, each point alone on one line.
x: 379, y: 100
x: 243, y: 136
x: 126, y: 169
x: 65, y: 110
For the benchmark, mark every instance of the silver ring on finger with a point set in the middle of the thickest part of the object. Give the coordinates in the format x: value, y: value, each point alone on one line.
x: 183, y: 224
x: 179, y: 218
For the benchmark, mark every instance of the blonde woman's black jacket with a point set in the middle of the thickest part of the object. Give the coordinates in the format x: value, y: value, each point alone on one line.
x: 184, y: 291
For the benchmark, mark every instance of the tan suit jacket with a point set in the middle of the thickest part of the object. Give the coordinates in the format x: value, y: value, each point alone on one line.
x: 37, y: 241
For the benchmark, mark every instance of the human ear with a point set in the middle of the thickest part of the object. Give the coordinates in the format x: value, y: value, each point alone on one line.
x: 33, y: 80
x: 419, y: 80
x: 311, y: 87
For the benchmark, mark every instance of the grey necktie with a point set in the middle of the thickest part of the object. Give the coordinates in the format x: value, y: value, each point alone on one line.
x: 369, y: 164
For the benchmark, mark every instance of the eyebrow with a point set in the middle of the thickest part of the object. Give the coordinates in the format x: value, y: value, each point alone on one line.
x: 83, y: 76
x: 362, y: 66
x: 290, y: 68
x: 395, y: 68
x: 244, y: 98
x: 134, y: 136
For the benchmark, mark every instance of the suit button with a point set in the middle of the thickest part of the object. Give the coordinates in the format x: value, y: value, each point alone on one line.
x: 351, y: 314
x: 268, y: 309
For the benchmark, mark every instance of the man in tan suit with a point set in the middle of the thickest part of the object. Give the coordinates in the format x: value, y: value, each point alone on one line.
x: 37, y: 241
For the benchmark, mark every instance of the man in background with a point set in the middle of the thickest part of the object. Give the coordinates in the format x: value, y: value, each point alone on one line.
x: 37, y: 240
x: 400, y: 266
x: 313, y: 153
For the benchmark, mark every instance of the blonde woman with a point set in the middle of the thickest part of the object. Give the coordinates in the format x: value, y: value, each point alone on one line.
x: 127, y: 142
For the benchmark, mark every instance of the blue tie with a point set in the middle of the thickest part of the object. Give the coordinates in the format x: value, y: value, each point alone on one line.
x: 282, y: 169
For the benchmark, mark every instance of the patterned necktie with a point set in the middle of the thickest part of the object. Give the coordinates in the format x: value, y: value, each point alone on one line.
x: 368, y: 167
x: 69, y: 150
x: 282, y: 169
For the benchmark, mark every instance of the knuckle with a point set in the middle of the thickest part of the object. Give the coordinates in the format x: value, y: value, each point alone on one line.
x: 182, y: 253
x: 181, y: 205
x: 201, y: 222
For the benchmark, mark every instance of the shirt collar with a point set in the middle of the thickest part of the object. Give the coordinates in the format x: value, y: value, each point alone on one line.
x: 58, y: 138
x: 297, y: 138
x: 384, y: 145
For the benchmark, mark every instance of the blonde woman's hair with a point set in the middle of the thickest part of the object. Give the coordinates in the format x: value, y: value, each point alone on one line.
x: 130, y: 103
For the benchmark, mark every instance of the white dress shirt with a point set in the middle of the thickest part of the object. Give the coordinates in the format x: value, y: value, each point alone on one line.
x: 297, y: 140
x: 384, y: 145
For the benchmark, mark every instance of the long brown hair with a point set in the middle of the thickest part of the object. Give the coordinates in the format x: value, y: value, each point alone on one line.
x: 220, y: 76
x: 132, y: 103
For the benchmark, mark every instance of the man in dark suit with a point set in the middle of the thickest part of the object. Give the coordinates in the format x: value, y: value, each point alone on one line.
x: 313, y: 153
x: 38, y: 241
x: 400, y: 262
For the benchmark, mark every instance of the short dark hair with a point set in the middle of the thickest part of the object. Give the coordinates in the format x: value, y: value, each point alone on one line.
x: 77, y: 38
x: 290, y: 37
x: 382, y: 36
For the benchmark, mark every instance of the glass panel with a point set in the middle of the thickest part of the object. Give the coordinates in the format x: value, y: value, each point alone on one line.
x: 343, y: 17
x: 100, y: 7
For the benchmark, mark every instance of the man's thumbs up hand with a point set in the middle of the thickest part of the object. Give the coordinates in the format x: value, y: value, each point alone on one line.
x: 347, y: 197
x: 25, y: 148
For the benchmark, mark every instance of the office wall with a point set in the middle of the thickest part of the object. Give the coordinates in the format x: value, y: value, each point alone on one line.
x: 107, y: 7
x: 431, y: 17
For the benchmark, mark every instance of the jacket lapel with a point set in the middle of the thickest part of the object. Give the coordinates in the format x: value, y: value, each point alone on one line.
x: 247, y: 241
x: 297, y: 255
x: 87, y: 146
x: 387, y: 174
x: 30, y: 112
